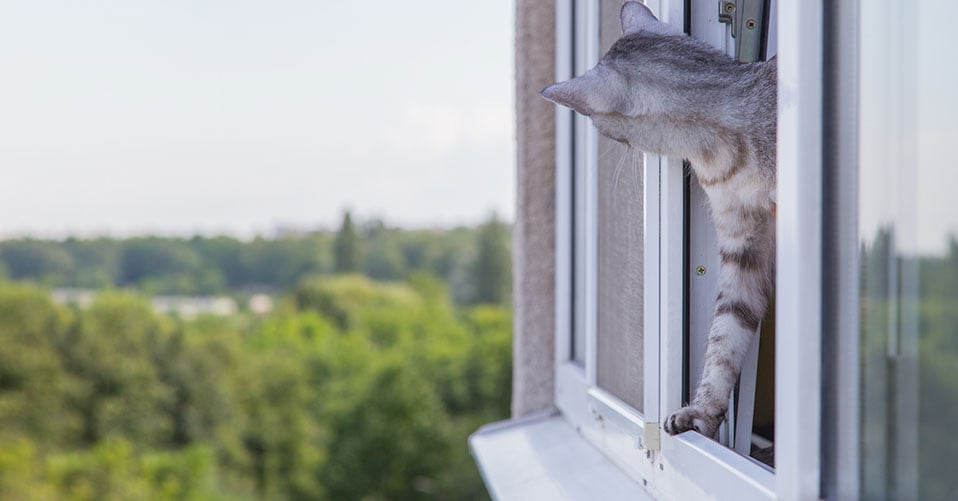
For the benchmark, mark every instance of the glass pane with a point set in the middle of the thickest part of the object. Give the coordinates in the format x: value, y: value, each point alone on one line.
x: 620, y: 214
x: 908, y: 222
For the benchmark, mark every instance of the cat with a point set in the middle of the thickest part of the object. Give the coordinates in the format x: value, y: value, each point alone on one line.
x: 663, y: 92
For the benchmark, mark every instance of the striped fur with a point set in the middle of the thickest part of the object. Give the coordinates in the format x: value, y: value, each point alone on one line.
x: 660, y: 91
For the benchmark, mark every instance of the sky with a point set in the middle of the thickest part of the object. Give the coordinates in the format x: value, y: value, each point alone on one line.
x: 128, y: 117
x: 908, y: 171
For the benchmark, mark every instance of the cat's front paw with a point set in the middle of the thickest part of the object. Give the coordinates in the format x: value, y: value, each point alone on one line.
x: 691, y: 418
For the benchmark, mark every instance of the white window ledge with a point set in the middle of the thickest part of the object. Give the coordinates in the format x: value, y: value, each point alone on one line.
x: 542, y: 457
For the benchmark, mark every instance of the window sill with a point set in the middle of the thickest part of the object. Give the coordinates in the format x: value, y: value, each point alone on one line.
x: 543, y: 457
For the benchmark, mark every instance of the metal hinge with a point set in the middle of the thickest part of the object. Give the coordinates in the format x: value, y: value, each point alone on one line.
x: 749, y: 27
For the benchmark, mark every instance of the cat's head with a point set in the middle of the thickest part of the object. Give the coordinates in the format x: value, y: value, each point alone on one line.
x: 606, y: 92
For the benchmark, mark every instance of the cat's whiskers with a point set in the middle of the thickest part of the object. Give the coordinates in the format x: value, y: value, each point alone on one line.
x: 618, y: 171
x: 607, y: 151
x: 636, y: 158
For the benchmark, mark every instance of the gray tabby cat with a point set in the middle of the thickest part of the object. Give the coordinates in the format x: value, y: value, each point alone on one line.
x: 666, y: 93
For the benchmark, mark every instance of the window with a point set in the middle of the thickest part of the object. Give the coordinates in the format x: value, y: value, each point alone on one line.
x: 908, y: 242
x: 607, y: 215
x: 867, y: 267
x: 627, y: 366
x: 621, y: 360
x: 619, y: 235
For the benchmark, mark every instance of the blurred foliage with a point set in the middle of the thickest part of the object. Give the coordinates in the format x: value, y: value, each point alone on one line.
x: 909, y: 354
x: 474, y: 262
x: 347, y: 255
x: 493, y: 265
x: 351, y: 389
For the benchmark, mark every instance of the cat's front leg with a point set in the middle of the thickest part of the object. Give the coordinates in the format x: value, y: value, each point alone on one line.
x: 734, y: 328
x: 723, y: 362
x: 744, y: 286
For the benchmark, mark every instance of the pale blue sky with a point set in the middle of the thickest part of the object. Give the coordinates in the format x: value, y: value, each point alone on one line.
x: 908, y: 127
x: 122, y: 116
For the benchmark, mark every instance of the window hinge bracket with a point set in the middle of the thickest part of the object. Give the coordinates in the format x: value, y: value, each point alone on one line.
x: 747, y: 19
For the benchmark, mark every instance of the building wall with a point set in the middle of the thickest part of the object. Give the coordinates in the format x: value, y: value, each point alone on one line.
x: 534, y: 231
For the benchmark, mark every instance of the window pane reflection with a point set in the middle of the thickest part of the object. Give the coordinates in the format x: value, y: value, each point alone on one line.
x: 908, y: 225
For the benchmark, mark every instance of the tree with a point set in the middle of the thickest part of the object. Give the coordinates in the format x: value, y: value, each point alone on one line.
x: 108, y: 352
x: 390, y: 438
x: 37, y: 260
x: 34, y: 389
x: 492, y: 270
x: 165, y: 264
x: 351, y: 389
x: 384, y: 259
x: 346, y: 248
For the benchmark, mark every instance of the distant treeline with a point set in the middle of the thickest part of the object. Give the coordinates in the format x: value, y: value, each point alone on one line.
x: 474, y: 261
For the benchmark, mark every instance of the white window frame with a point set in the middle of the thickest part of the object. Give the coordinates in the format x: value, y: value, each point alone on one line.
x: 799, y: 257
x: 690, y: 466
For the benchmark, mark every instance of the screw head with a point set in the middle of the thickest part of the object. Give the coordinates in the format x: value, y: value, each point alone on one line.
x: 729, y: 7
x: 750, y: 24
x: 700, y: 271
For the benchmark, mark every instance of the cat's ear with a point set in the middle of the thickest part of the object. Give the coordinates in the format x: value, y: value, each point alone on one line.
x: 594, y: 92
x: 636, y: 17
